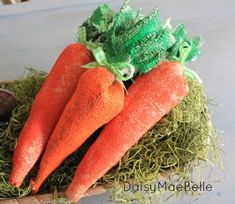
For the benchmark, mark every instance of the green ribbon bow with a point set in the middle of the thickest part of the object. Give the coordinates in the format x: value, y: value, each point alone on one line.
x: 122, y: 70
x: 184, y: 51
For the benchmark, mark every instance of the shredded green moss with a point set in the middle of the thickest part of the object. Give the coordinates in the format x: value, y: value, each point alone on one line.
x: 182, y: 140
x: 25, y: 91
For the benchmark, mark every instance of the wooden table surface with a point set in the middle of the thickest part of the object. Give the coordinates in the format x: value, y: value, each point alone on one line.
x: 34, y: 33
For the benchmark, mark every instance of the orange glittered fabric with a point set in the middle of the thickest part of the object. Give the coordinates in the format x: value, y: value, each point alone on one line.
x: 47, y: 108
x: 149, y: 98
x: 98, y: 98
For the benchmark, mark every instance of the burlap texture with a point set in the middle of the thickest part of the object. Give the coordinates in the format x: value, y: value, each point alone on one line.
x: 98, y: 98
x: 46, y: 109
x: 149, y: 98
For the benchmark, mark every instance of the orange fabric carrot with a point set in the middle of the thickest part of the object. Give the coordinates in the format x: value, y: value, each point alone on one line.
x: 149, y: 98
x: 46, y: 109
x: 97, y: 99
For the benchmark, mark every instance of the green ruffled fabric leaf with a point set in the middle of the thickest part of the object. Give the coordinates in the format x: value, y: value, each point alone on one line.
x: 99, y: 23
x: 180, y: 35
x: 142, y: 40
x: 195, y: 44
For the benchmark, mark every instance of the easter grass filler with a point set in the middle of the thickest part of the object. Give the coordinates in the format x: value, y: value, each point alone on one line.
x: 178, y: 143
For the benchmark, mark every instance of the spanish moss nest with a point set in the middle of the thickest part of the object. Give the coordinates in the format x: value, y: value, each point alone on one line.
x: 182, y: 140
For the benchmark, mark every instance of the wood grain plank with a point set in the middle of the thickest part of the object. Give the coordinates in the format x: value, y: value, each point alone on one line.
x: 9, y: 201
x: 45, y: 197
x: 28, y: 200
x: 90, y: 192
x: 95, y: 191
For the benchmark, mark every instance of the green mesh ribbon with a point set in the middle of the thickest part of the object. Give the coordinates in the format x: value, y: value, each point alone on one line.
x: 141, y: 40
x: 99, y: 23
x: 180, y: 35
x: 183, y: 55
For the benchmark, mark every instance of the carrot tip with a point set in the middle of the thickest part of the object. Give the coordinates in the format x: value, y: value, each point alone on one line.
x: 35, y: 188
x: 73, y: 197
x: 13, y: 181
